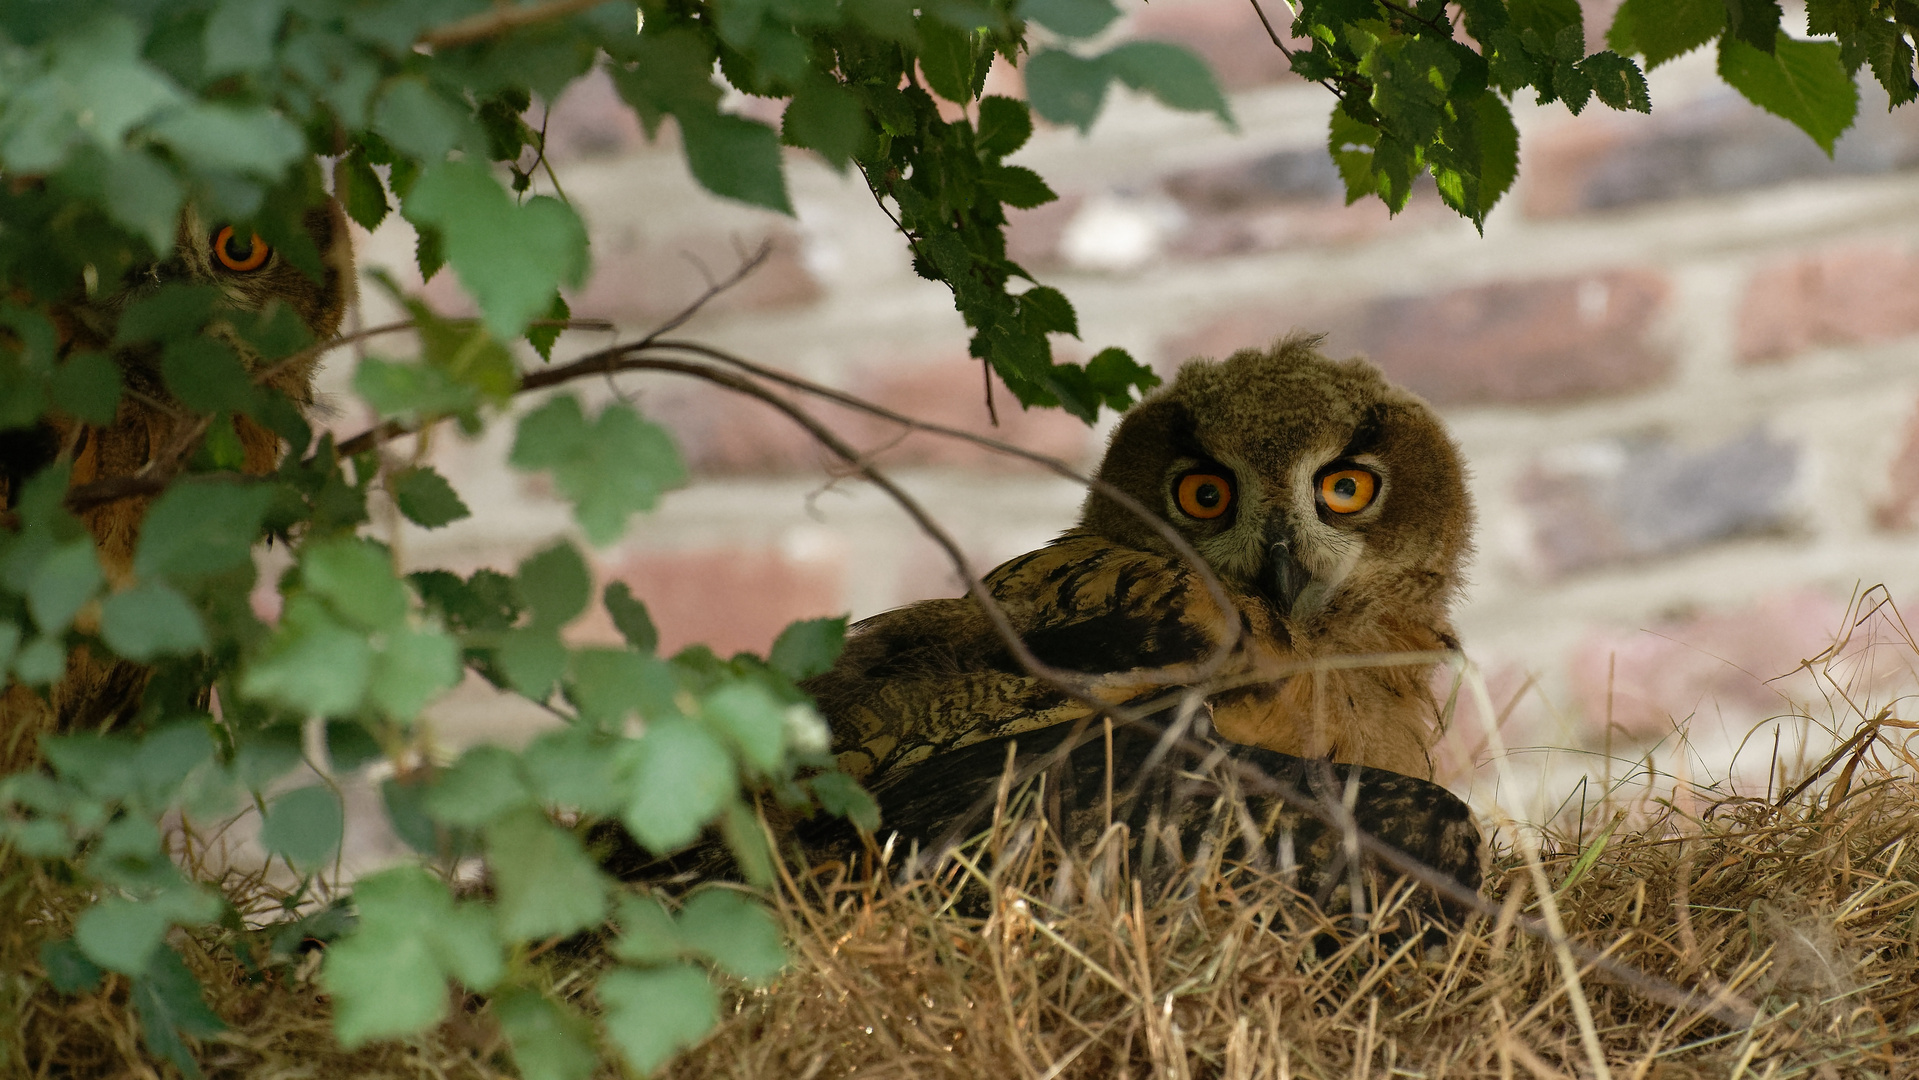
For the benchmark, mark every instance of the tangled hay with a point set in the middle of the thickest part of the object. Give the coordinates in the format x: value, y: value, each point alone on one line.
x: 1774, y: 936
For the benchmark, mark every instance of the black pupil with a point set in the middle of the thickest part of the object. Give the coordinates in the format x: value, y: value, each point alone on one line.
x: 1207, y: 495
x: 1345, y: 487
x: 239, y: 248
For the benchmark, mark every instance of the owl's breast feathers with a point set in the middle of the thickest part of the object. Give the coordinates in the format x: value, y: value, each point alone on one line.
x: 934, y: 676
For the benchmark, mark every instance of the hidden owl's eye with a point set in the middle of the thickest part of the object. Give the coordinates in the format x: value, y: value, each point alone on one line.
x: 1204, y: 495
x: 240, y: 252
x: 1348, y: 491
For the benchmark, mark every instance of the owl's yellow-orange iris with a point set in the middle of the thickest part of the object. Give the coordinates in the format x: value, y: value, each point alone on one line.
x: 1347, y: 491
x: 1204, y: 495
x: 240, y: 254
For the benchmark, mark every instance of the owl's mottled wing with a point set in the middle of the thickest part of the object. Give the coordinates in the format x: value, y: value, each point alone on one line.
x: 934, y: 677
x: 1247, y: 807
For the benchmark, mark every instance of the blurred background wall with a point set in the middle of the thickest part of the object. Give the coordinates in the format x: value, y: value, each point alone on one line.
x: 1680, y: 362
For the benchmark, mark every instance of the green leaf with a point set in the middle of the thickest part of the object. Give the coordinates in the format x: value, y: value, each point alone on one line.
x: 1004, y: 126
x: 543, y: 338
x: 239, y: 35
x: 609, y: 684
x: 360, y: 191
x: 1070, y: 18
x: 167, y: 999
x: 1545, y: 17
x: 629, y: 614
x: 1804, y: 82
x: 532, y: 660
x: 426, y: 498
x: 681, y: 778
x: 544, y: 882
x: 350, y: 746
x: 753, y: 719
x: 615, y: 466
x: 736, y: 158
x: 42, y: 661
x: 647, y: 932
x: 313, y: 664
x: 419, y: 122
x: 120, y: 934
x: 827, y: 118
x: 949, y: 57
x: 1067, y: 89
x: 305, y: 825
x: 387, y: 978
x: 1662, y: 30
x: 63, y: 582
x: 1173, y: 74
x: 413, y: 667
x: 577, y: 767
x: 207, y: 376
x: 1016, y: 186
x: 410, y: 391
x: 510, y: 258
x: 1045, y: 310
x: 356, y: 578
x: 1755, y: 22
x: 483, y: 785
x: 550, y: 1041
x: 255, y: 141
x: 87, y: 386
x: 1617, y: 81
x: 201, y: 527
x: 735, y: 932
x: 842, y: 796
x: 97, y: 87
x: 652, y: 1014
x: 68, y: 969
x: 149, y: 620
x: 555, y: 585
x: 808, y: 647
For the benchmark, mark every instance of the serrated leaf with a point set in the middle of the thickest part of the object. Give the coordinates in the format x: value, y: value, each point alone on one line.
x: 122, y: 935
x: 735, y: 932
x: 753, y: 719
x: 630, y: 616
x: 305, y: 825
x: 426, y: 498
x: 212, y: 137
x: 313, y: 664
x: 1173, y: 74
x: 543, y: 338
x: 682, y: 775
x: 200, y: 527
x: 356, y: 578
x: 1004, y: 126
x: 610, y: 468
x: 410, y: 391
x: 532, y: 660
x: 555, y: 585
x: 1804, y: 82
x: 1016, y: 186
x: 550, y: 1042
x: 808, y: 647
x: 510, y: 258
x: 609, y: 684
x: 949, y: 57
x: 1662, y: 30
x: 418, y: 121
x: 483, y: 785
x: 149, y: 620
x: 580, y: 768
x: 62, y: 583
x: 543, y: 881
x: 647, y: 932
x: 652, y: 1014
x: 827, y: 118
x: 388, y: 977
x: 1617, y: 81
x: 1070, y: 18
x: 360, y: 191
x: 350, y: 746
x: 96, y: 87
x: 842, y: 796
x: 736, y: 158
x: 239, y: 35
x: 1066, y: 89
x: 412, y: 668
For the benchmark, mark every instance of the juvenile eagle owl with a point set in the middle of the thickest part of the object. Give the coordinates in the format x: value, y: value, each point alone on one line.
x: 1331, y: 506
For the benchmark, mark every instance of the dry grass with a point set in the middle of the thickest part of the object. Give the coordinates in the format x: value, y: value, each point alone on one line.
x: 1798, y: 911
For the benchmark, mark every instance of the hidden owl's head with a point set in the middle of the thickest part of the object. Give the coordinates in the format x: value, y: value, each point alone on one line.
x: 1312, y: 483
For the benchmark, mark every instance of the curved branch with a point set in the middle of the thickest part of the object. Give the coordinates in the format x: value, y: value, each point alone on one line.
x: 500, y: 20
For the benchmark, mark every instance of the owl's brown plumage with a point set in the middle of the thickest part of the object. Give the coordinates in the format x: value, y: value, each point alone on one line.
x: 1333, y: 509
x: 95, y: 690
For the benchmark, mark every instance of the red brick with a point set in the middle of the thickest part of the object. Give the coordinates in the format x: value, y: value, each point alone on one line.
x: 1850, y: 295
x: 1901, y: 506
x: 1227, y: 33
x: 732, y: 599
x: 1699, y: 662
x: 1550, y: 340
x: 639, y: 280
x: 722, y: 433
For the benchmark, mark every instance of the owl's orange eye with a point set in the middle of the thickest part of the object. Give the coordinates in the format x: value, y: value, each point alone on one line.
x: 1348, y: 491
x: 1204, y: 495
x: 240, y: 252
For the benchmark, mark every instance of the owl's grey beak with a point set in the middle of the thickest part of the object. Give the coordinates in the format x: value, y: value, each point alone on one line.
x: 1286, y: 577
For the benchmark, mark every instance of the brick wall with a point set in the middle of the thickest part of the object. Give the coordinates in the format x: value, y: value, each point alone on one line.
x: 1681, y: 361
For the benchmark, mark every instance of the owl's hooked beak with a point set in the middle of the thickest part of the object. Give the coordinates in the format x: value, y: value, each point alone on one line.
x: 1287, y: 581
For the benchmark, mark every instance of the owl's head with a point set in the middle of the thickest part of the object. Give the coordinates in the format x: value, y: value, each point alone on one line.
x: 1313, y: 484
